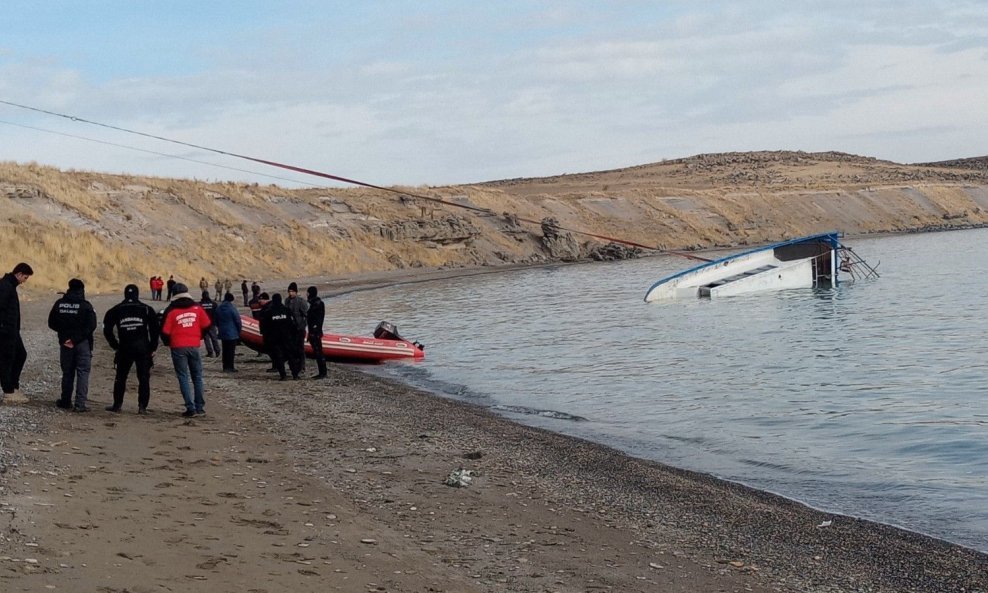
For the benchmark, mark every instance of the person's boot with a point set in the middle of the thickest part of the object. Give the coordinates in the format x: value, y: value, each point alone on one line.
x: 15, y: 398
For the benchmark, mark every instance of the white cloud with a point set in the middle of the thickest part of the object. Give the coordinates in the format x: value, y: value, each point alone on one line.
x: 465, y: 94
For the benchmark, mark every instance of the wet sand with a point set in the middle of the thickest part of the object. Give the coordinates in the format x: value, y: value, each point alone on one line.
x: 338, y: 485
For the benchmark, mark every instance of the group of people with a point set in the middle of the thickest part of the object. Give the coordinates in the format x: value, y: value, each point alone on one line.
x: 222, y: 286
x: 285, y: 323
x: 134, y: 330
x: 157, y: 284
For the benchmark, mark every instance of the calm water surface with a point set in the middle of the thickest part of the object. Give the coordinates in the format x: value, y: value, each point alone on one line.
x: 867, y: 400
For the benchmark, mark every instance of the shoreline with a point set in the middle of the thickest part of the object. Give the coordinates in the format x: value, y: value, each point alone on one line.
x: 375, y: 283
x: 337, y: 285
x: 545, y: 512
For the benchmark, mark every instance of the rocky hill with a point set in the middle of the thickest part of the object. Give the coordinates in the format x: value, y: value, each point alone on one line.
x: 110, y: 230
x: 977, y: 163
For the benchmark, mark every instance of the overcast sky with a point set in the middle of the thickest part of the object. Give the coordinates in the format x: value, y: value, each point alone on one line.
x: 441, y: 91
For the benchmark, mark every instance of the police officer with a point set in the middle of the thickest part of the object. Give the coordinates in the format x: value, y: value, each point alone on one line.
x: 211, y: 337
x: 72, y: 317
x: 131, y: 329
x: 279, y: 334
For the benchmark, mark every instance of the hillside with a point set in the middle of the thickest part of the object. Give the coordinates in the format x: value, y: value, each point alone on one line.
x: 110, y: 229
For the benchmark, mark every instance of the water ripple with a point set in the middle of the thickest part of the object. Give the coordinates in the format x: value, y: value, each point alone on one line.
x: 866, y: 399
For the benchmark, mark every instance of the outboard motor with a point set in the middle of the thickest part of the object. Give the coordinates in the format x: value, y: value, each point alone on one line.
x: 389, y: 331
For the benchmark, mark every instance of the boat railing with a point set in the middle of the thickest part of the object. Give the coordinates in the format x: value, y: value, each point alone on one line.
x: 854, y: 266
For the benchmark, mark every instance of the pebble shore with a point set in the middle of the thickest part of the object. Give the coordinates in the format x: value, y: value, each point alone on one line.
x: 543, y: 512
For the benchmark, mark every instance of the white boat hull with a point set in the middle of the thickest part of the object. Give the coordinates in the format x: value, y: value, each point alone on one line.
x: 801, y: 263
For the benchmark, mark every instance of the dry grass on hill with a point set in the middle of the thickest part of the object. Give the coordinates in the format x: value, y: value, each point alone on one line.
x: 115, y: 229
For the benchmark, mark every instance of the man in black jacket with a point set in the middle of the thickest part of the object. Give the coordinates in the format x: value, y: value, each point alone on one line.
x: 298, y: 308
x: 74, y: 319
x: 135, y: 342
x: 278, y: 331
x: 13, y: 355
x: 212, y: 336
x: 314, y: 318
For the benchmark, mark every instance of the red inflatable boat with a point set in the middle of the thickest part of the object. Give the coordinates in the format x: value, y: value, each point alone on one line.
x: 339, y: 348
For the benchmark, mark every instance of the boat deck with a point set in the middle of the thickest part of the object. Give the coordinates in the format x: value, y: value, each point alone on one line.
x: 704, y: 291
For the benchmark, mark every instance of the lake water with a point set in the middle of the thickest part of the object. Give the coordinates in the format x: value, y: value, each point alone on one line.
x: 866, y: 400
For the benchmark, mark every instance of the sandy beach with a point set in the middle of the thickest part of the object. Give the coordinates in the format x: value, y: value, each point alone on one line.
x: 338, y: 485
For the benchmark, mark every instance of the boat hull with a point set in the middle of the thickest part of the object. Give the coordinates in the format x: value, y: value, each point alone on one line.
x: 341, y: 348
x: 799, y: 263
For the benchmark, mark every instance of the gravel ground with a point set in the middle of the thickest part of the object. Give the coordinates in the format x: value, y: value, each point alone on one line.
x: 673, y: 511
x: 545, y: 512
x: 38, y: 377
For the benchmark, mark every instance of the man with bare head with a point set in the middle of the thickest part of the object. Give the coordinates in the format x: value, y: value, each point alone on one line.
x: 13, y: 355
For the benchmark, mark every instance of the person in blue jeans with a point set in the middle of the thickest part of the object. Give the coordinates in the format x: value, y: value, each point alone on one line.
x: 188, y: 370
x: 183, y: 328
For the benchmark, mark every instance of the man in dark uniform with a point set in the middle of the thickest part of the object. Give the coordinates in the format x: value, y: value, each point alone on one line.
x: 278, y: 331
x: 135, y: 340
x: 73, y: 318
x: 13, y: 355
x: 299, y: 308
x: 211, y: 337
x: 314, y: 319
x: 257, y: 304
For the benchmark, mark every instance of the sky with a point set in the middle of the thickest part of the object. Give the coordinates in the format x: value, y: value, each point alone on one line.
x: 434, y: 92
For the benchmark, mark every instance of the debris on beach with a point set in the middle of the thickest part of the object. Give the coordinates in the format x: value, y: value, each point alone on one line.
x: 459, y: 478
x: 824, y: 524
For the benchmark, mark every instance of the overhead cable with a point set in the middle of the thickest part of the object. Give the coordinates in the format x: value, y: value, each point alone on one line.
x: 303, y: 170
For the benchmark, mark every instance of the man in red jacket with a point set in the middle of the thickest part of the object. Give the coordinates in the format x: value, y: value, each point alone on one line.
x: 183, y: 328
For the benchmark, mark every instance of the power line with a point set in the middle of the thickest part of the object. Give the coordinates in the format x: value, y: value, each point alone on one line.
x: 485, y: 211
x: 172, y: 156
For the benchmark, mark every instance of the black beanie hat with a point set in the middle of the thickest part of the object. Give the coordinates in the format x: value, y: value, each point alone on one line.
x: 131, y: 292
x: 293, y: 287
x: 313, y: 291
x: 276, y: 299
x: 228, y: 297
x: 76, y: 284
